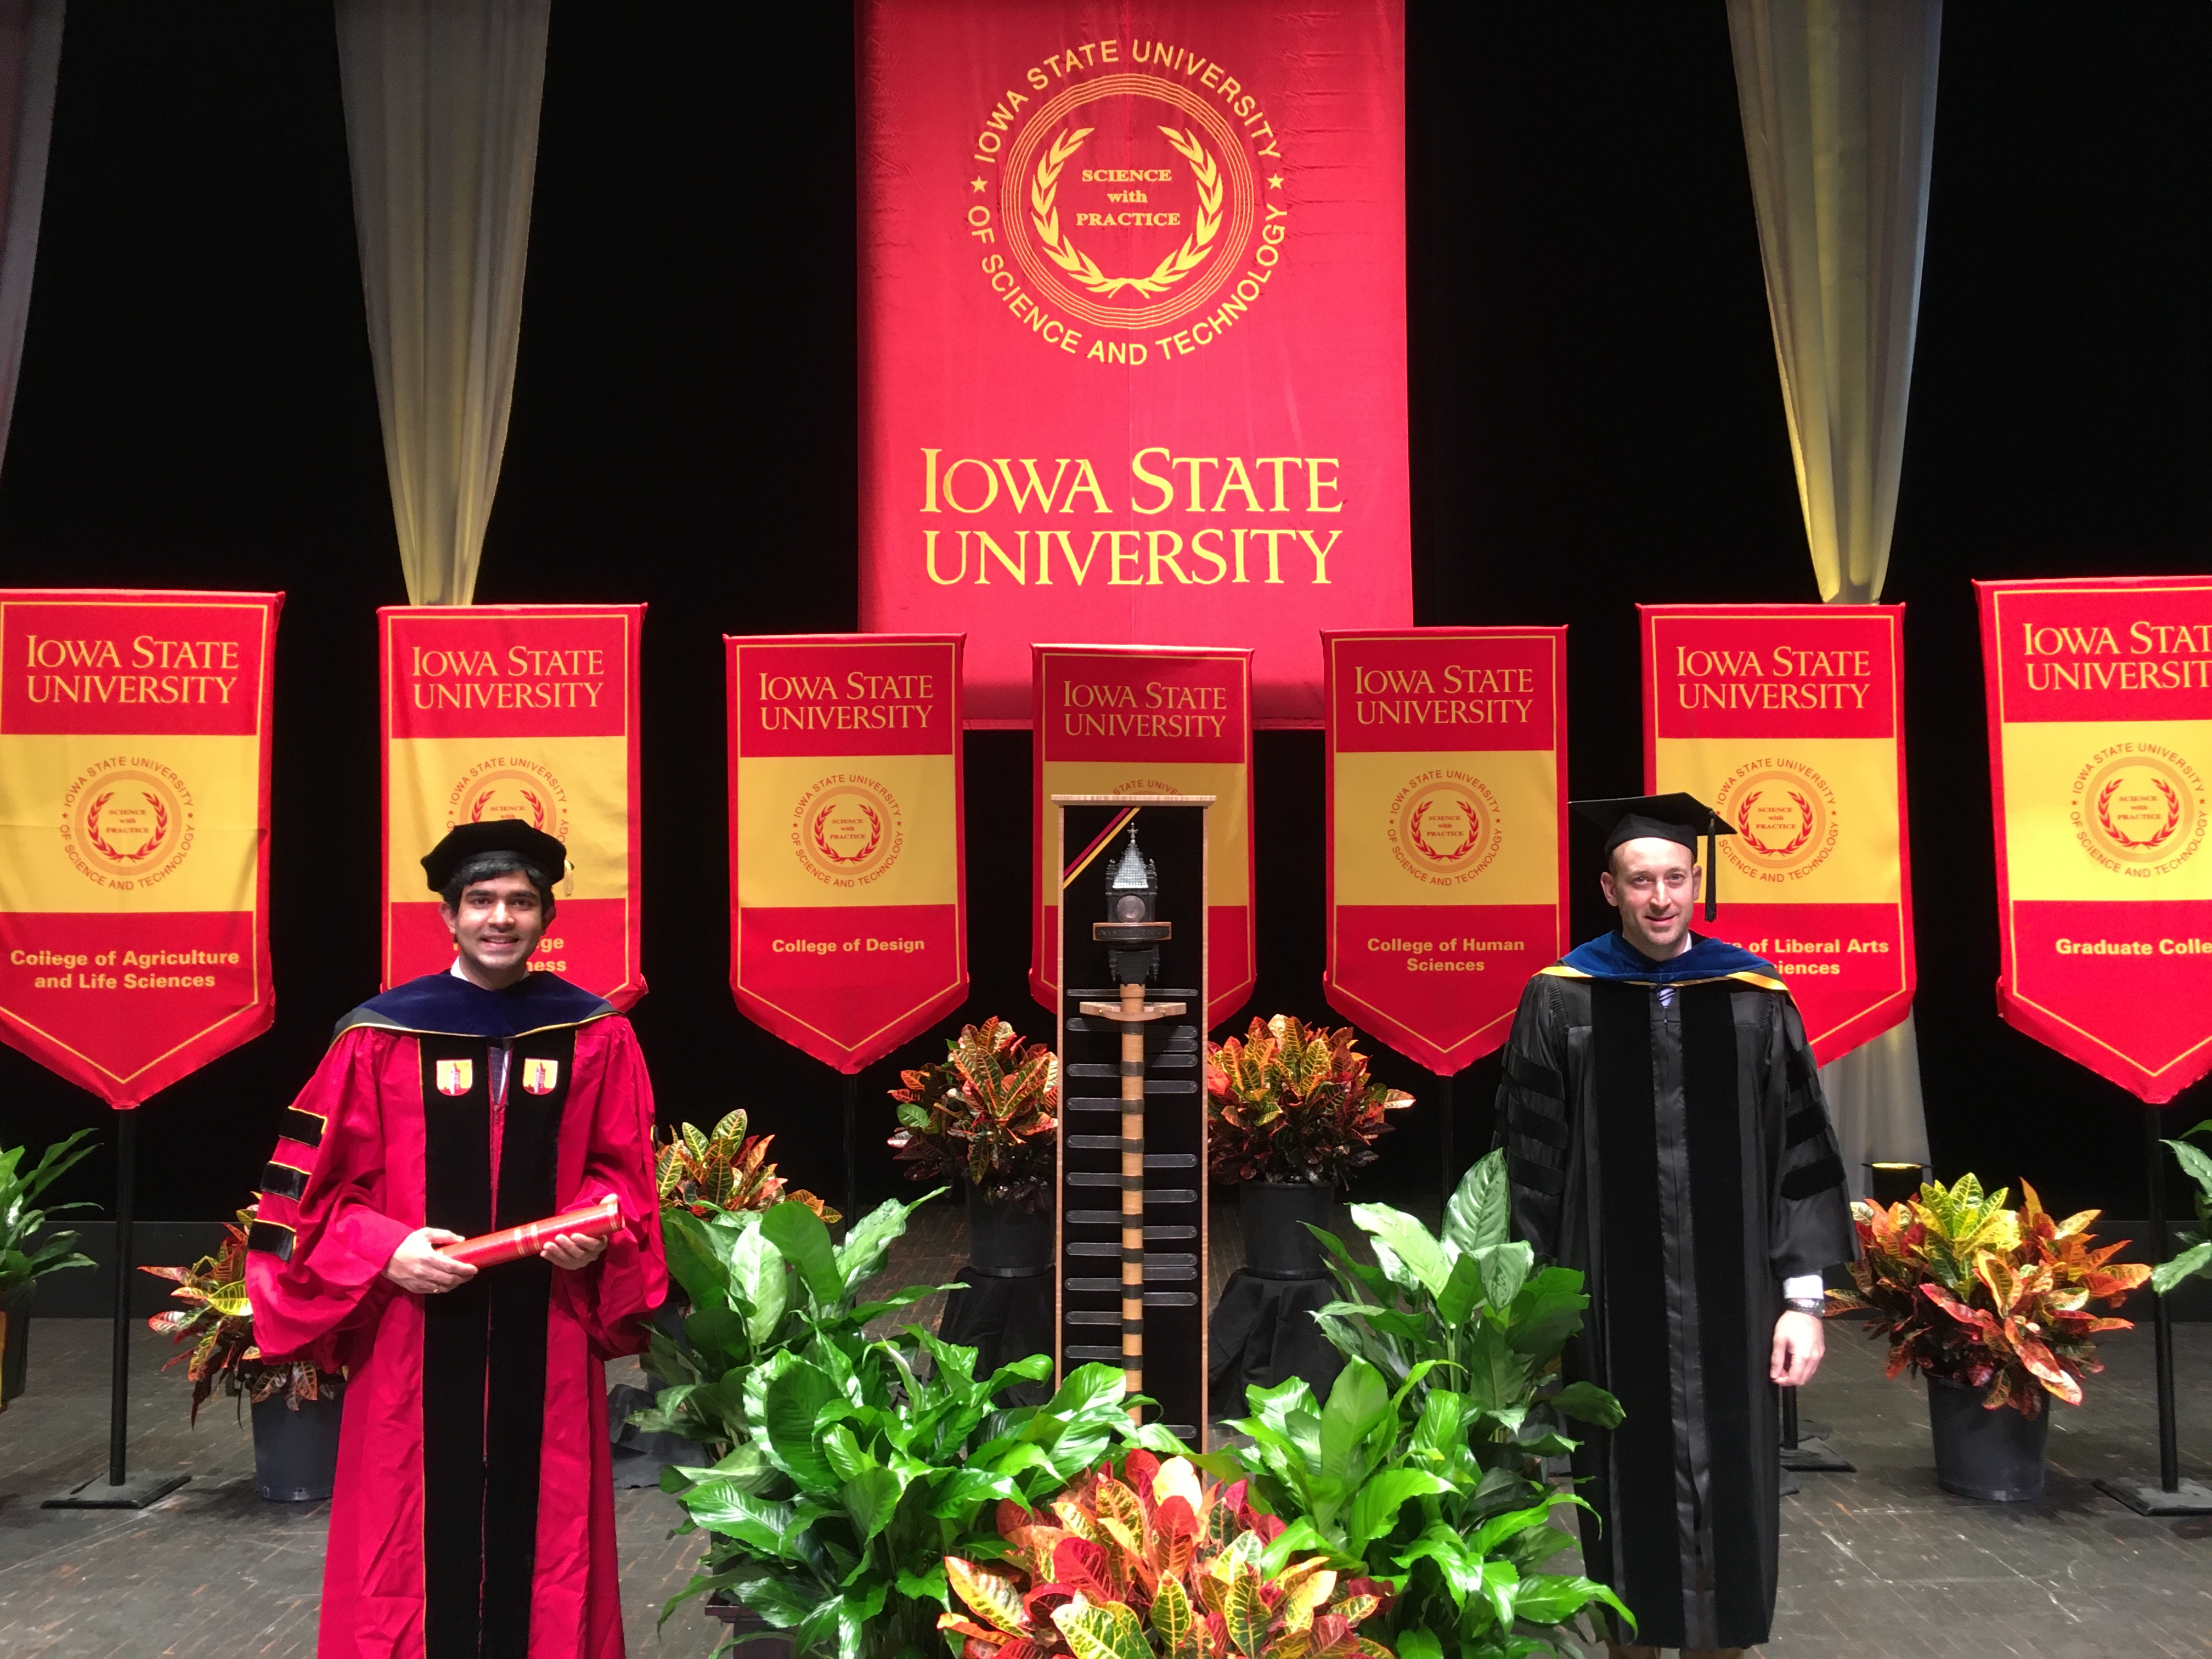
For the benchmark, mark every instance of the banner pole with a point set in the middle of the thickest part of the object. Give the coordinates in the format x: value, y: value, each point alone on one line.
x: 2169, y: 1428
x: 119, y: 1491
x: 852, y: 1150
x: 1444, y: 1148
x: 2170, y: 1494
x: 118, y: 1402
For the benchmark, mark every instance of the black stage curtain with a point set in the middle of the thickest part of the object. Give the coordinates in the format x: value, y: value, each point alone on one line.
x: 1595, y: 421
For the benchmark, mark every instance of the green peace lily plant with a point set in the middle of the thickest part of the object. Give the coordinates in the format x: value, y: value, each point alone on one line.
x: 1423, y: 1469
x: 759, y: 1283
x: 2195, y: 1255
x: 1474, y: 1302
x: 846, y: 1468
x: 20, y: 1222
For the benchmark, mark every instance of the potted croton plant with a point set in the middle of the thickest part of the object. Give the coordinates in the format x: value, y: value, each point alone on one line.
x: 1291, y: 1113
x: 1158, y: 1561
x: 22, y: 1265
x: 989, y: 1114
x: 295, y: 1407
x: 727, y: 1170
x: 1992, y: 1307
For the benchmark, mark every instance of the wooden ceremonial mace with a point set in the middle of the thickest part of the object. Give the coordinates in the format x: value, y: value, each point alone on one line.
x: 1132, y: 936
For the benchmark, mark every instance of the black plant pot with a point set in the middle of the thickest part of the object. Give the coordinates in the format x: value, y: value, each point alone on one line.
x: 295, y: 1453
x: 744, y: 1623
x: 1006, y: 1312
x: 1275, y: 1214
x: 1006, y: 1241
x: 16, y: 1305
x: 1995, y: 1455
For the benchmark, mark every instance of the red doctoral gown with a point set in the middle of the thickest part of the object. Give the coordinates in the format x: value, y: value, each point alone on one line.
x: 473, y: 1516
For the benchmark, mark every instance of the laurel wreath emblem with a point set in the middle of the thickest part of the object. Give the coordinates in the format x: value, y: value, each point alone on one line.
x: 536, y: 808
x: 875, y: 835
x: 1414, y: 834
x: 100, y: 843
x: 1804, y: 829
x: 2172, y: 815
x: 1044, y: 214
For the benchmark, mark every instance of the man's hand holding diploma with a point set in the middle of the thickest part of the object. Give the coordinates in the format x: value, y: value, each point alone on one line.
x: 415, y: 1266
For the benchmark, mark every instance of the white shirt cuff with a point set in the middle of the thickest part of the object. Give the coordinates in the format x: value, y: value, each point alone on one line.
x: 1804, y: 1285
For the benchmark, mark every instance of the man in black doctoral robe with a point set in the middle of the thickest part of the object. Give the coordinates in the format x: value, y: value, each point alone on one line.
x: 1666, y: 1136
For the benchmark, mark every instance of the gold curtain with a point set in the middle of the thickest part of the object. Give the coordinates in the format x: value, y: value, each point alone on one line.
x: 30, y: 65
x: 1839, y: 105
x: 441, y: 102
x: 1838, y: 102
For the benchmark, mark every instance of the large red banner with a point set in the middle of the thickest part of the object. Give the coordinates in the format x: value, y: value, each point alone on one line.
x: 516, y: 711
x: 1788, y: 720
x: 1133, y: 330
x: 1126, y: 720
x: 848, y: 875
x: 1447, y: 831
x: 2100, y: 741
x: 134, y: 832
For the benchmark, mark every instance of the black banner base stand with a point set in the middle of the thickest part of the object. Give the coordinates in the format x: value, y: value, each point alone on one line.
x: 1804, y: 1448
x: 1815, y: 1457
x: 136, y: 1493
x: 120, y: 1490
x: 2169, y: 1494
x: 2145, y: 1496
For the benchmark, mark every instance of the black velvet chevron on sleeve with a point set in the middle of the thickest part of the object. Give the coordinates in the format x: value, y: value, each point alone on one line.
x: 1536, y: 1124
x: 1812, y: 1212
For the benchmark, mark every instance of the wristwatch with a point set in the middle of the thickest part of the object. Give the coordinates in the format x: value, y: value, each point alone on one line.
x: 1805, y: 1305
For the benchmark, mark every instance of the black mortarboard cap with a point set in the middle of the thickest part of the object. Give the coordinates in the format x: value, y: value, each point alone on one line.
x: 467, y: 840
x: 1678, y: 817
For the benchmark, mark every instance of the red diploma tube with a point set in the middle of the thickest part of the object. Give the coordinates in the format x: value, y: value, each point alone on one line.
x: 512, y: 1243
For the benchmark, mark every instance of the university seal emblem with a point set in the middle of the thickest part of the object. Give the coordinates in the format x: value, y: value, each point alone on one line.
x: 1444, y: 827
x: 127, y: 822
x: 1131, y: 207
x: 509, y: 786
x: 1784, y: 814
x: 2138, y: 808
x: 847, y: 829
x: 456, y: 1076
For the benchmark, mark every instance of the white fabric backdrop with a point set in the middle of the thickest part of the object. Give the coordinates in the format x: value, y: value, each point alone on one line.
x: 441, y: 103
x: 1838, y: 103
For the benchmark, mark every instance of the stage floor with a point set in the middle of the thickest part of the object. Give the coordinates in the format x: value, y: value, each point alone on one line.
x: 1879, y: 1562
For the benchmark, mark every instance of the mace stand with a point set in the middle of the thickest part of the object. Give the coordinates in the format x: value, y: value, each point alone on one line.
x: 2169, y: 1494
x: 1131, y: 965
x: 119, y: 1491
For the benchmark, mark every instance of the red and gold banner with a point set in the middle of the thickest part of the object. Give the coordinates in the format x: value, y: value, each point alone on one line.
x: 134, y: 830
x: 1447, y: 831
x: 516, y: 711
x: 1133, y: 330
x: 2100, y: 743
x: 849, y: 928
x: 1128, y: 721
x: 1790, y: 720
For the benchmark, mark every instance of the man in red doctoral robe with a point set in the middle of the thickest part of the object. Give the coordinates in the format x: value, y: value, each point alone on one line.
x: 473, y: 1516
